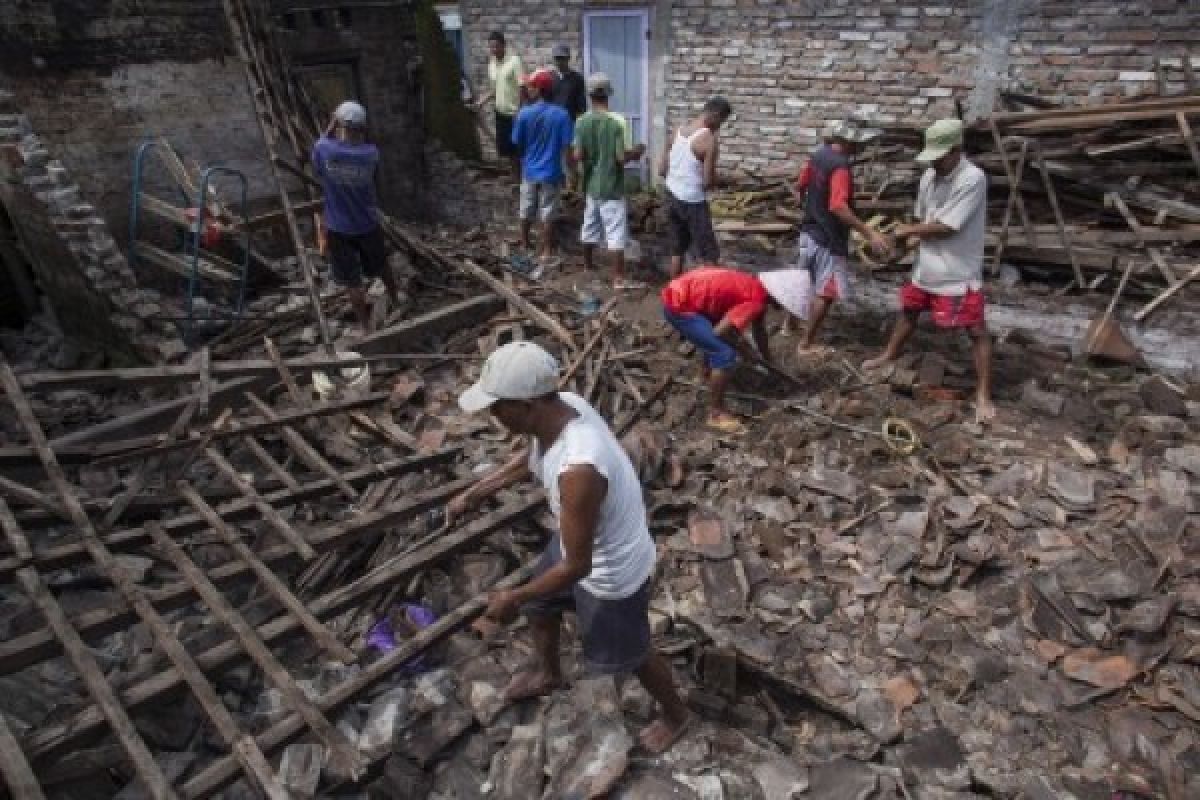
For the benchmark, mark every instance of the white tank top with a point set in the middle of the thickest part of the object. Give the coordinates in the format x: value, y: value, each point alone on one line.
x: 685, y: 174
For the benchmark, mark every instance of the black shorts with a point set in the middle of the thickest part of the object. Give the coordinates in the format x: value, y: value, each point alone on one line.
x: 353, y: 257
x: 691, y: 228
x: 615, y: 633
x: 504, y: 142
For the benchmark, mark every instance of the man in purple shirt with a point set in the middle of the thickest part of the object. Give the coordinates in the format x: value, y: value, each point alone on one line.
x: 346, y: 163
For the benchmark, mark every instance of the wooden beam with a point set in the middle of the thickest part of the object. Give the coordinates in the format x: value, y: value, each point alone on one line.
x: 303, y: 450
x: 218, y: 774
x: 343, y: 755
x: 270, y: 581
x: 138, y: 377
x: 72, y: 553
x: 271, y: 421
x: 267, y: 511
x: 404, y: 239
x: 52, y: 740
x: 441, y: 321
x: 1188, y: 138
x: 22, y: 784
x: 159, y: 417
x: 81, y: 658
x: 1167, y: 294
x: 182, y: 265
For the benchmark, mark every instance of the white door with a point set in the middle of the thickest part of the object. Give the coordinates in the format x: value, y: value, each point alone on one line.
x: 617, y: 43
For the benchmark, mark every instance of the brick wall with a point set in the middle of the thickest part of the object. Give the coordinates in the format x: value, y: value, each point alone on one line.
x: 792, y: 67
x: 91, y: 287
x: 375, y: 45
x: 96, y: 77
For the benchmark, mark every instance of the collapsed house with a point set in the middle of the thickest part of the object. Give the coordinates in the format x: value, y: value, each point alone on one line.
x: 212, y: 521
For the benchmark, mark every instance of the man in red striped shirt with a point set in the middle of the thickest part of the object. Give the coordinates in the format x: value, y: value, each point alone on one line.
x: 713, y: 306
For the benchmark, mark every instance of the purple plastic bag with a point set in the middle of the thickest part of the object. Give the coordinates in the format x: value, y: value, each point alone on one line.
x: 382, y: 638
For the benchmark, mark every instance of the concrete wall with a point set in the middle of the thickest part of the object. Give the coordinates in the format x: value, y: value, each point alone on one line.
x: 791, y: 66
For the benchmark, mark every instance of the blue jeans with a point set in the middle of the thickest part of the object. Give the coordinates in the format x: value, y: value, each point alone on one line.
x: 718, y: 353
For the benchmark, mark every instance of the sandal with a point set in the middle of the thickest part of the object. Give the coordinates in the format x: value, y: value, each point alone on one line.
x: 728, y: 424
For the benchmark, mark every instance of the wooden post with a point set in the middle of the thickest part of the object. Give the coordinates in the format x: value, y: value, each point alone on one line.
x: 1052, y: 196
x: 1014, y: 184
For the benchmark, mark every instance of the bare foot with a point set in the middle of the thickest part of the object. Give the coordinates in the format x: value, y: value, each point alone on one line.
x: 985, y: 412
x: 659, y: 736
x: 877, y: 362
x: 526, y: 685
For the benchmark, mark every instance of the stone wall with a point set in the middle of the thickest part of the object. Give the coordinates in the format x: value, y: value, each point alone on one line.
x: 791, y: 67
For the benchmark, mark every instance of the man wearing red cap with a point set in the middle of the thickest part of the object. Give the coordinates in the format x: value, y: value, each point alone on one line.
x: 542, y: 134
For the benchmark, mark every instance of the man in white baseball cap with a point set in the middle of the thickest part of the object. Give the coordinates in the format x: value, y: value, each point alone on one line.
x: 346, y: 164
x: 600, y: 563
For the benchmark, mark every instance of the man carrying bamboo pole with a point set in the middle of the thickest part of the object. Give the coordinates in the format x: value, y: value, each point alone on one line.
x: 600, y: 563
x: 346, y: 163
x: 947, y: 280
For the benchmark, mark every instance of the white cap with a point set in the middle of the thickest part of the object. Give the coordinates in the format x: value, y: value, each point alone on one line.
x: 791, y: 288
x: 351, y: 114
x: 516, y: 371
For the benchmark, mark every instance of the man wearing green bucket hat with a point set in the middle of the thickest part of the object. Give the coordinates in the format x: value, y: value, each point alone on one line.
x: 947, y: 279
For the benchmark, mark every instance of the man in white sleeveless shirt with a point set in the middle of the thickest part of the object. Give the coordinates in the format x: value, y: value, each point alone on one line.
x: 689, y: 166
x: 601, y: 562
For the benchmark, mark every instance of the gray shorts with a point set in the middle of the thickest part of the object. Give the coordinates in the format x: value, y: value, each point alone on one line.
x: 615, y: 633
x: 540, y: 200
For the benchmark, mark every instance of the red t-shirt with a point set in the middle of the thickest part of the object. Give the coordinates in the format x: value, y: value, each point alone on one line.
x: 839, y: 185
x: 717, y: 293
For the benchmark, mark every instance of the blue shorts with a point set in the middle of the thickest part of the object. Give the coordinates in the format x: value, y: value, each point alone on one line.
x: 718, y: 353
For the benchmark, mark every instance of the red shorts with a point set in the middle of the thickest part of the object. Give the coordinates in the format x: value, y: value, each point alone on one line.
x: 948, y: 311
x: 829, y: 291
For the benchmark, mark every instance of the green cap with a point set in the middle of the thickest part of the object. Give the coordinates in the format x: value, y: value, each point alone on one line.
x: 940, y: 138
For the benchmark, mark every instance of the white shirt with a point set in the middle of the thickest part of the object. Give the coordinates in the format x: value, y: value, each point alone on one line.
x: 685, y: 172
x: 952, y: 265
x: 623, y: 553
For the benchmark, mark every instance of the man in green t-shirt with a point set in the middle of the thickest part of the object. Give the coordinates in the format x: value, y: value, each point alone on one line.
x: 603, y: 146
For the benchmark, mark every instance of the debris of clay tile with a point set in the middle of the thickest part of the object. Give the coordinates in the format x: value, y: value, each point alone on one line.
x: 516, y: 770
x: 842, y: 779
x: 1098, y: 668
x: 596, y: 762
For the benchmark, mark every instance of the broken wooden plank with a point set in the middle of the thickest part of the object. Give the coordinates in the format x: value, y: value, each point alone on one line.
x: 1189, y: 139
x: 271, y: 421
x: 221, y: 772
x: 138, y: 480
x: 160, y: 416
x: 270, y: 581
x: 536, y: 315
x: 81, y: 658
x: 303, y: 450
x: 22, y: 784
x: 1166, y: 295
x: 342, y: 753
x: 267, y: 511
x: 68, y: 554
x: 52, y: 740
x: 138, y: 377
x: 181, y: 265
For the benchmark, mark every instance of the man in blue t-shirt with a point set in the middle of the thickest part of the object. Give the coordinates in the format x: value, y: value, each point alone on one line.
x: 542, y: 134
x: 346, y: 164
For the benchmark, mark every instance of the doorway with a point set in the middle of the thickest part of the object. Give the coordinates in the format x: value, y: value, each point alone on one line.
x: 617, y: 43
